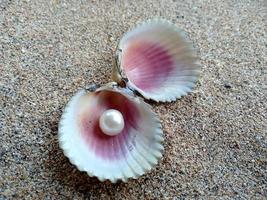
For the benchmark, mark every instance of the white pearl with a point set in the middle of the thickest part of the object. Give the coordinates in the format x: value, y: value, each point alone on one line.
x: 111, y: 122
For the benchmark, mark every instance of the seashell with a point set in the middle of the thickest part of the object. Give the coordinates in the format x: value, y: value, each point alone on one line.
x: 157, y: 60
x: 110, y: 134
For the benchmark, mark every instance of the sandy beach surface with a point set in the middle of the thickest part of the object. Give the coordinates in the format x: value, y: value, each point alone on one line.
x: 215, y: 138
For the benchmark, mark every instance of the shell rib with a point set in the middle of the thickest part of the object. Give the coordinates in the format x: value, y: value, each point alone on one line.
x: 158, y: 61
x: 127, y: 155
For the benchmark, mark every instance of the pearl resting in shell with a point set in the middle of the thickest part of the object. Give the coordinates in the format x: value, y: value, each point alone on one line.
x: 111, y: 122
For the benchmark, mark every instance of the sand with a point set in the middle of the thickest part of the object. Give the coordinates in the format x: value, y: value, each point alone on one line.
x: 215, y: 138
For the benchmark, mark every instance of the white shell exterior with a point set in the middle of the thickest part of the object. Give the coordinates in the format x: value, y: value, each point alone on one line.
x: 139, y: 160
x: 183, y: 78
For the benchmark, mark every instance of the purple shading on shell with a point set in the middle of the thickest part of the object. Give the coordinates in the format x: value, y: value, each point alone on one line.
x: 144, y: 61
x: 105, y: 146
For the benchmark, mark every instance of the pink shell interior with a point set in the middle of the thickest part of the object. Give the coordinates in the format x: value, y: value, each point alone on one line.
x: 104, y: 146
x: 147, y: 64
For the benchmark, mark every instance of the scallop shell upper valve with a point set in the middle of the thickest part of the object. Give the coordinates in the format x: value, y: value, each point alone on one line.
x: 110, y: 134
x: 157, y: 60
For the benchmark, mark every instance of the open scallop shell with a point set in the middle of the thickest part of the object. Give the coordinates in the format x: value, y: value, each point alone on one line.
x: 127, y: 155
x: 157, y: 60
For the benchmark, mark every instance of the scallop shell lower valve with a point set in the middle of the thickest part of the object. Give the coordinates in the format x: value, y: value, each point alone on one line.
x: 110, y: 132
x: 110, y: 135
